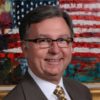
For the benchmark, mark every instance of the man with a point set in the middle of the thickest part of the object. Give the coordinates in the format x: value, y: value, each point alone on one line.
x: 47, y: 36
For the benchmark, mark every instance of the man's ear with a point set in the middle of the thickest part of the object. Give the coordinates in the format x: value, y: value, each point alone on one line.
x: 24, y: 47
x: 72, y: 48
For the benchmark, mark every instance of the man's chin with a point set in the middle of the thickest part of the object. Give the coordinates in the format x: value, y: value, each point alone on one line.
x: 53, y: 73
x: 53, y: 77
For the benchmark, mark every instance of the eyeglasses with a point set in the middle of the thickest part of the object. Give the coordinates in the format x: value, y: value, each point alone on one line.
x: 47, y: 42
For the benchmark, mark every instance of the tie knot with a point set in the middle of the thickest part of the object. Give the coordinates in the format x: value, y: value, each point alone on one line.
x: 59, y: 92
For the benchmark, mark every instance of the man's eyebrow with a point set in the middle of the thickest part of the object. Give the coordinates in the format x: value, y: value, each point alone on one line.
x: 48, y: 36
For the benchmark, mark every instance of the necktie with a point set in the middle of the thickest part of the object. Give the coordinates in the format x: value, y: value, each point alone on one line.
x: 59, y: 92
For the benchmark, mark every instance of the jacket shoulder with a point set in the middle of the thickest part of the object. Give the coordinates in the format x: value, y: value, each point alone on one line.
x: 77, y: 90
x: 15, y: 93
x: 75, y: 84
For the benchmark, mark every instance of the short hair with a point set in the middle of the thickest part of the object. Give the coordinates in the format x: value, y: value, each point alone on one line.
x: 41, y: 13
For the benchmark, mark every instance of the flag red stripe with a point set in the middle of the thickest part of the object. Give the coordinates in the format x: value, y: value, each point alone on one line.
x: 86, y: 45
x: 87, y: 26
x: 87, y: 34
x: 87, y: 55
x: 82, y: 9
x: 84, y: 17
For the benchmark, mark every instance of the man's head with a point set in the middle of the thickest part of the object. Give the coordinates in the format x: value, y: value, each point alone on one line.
x: 42, y: 13
x: 47, y: 34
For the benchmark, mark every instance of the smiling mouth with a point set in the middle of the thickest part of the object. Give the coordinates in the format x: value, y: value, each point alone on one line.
x: 54, y: 61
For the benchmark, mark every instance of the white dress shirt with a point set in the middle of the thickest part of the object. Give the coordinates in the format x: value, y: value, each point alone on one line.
x: 47, y: 87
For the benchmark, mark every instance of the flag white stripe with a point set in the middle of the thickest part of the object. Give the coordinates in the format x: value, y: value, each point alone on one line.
x: 89, y: 40
x: 82, y: 30
x: 11, y: 31
x: 13, y: 50
x: 81, y: 5
x: 85, y: 13
x: 85, y: 50
x: 86, y: 22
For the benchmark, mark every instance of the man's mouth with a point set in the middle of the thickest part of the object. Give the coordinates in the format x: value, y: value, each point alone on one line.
x: 53, y: 61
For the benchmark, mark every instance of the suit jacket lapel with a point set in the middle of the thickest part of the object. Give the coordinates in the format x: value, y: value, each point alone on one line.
x: 70, y: 89
x: 31, y: 89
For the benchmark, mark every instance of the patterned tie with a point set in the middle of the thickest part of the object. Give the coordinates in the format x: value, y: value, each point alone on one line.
x: 59, y: 92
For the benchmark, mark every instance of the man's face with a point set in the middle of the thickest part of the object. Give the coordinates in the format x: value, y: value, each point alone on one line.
x: 48, y: 63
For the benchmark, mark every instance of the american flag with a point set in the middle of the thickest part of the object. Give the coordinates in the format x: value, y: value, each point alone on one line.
x: 86, y: 21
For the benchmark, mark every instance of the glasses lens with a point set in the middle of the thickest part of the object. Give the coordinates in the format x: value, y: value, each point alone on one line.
x: 44, y: 42
x: 63, y: 43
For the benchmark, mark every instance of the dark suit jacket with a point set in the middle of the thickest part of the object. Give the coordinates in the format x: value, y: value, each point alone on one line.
x: 29, y: 90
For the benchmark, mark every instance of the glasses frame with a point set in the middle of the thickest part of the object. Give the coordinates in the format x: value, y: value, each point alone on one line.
x: 50, y: 41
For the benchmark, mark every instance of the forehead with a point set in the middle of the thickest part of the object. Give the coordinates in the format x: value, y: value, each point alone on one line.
x: 53, y: 27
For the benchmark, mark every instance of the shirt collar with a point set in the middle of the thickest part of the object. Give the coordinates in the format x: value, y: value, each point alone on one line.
x: 46, y: 87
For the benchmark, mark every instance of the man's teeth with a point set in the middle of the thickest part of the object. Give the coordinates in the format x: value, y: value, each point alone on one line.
x: 53, y: 60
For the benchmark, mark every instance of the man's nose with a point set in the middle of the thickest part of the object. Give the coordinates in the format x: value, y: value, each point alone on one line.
x: 54, y: 48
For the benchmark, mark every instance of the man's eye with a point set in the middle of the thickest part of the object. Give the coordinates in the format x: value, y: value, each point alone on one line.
x: 61, y: 40
x: 42, y: 40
